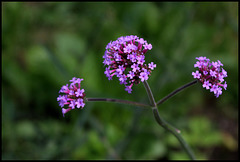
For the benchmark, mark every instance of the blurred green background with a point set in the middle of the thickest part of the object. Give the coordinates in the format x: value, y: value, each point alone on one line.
x: 44, y: 45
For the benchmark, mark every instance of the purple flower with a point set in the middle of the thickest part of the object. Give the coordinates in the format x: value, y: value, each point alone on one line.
x: 123, y: 79
x: 129, y: 89
x: 141, y: 41
x: 133, y: 47
x: 125, y: 58
x: 214, y: 89
x: 59, y: 98
x: 64, y: 111
x: 143, y: 76
x: 107, y: 61
x: 152, y: 65
x: 107, y: 72
x: 80, y: 103
x: 131, y: 74
x: 73, y: 96
x: 132, y: 57
x: 120, y: 69
x: 205, y: 72
x: 225, y: 85
x: 206, y: 84
x: 198, y: 64
x: 61, y: 103
x: 127, y: 49
x: 62, y: 99
x: 215, y: 64
x: 211, y: 75
x: 117, y: 57
x: 73, y: 79
x: 219, y: 92
x: 64, y: 88
x: 220, y: 78
x: 135, y: 67
x: 196, y: 75
x: 141, y: 59
x: 79, y: 92
x: 224, y: 73
x: 71, y: 92
x: 72, y: 104
x: 147, y: 46
x: 78, y: 80
x: 201, y: 58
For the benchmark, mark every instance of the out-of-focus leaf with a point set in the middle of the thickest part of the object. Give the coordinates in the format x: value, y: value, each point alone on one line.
x: 183, y: 156
x: 229, y: 141
x: 45, y: 44
x: 70, y: 50
x: 94, y: 149
x: 157, y: 150
x: 201, y: 133
x: 25, y: 129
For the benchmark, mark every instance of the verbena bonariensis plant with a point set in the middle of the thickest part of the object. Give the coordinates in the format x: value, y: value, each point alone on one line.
x: 125, y: 59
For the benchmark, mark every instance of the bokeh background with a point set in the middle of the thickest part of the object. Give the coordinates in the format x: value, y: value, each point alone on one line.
x: 45, y: 44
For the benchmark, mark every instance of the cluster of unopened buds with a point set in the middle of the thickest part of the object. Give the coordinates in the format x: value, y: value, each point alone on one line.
x: 125, y: 58
x: 211, y: 75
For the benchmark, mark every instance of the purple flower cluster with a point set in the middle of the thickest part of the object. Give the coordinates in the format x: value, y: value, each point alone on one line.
x: 73, y: 95
x: 211, y: 75
x: 125, y: 59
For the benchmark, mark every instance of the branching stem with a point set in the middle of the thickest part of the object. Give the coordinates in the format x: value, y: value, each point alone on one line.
x: 163, y: 123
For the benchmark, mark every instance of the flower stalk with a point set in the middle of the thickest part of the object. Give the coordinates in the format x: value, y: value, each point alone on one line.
x: 176, y: 91
x: 117, y: 101
x: 164, y: 124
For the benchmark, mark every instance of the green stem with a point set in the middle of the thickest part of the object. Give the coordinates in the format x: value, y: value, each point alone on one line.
x: 150, y: 94
x: 117, y: 101
x: 176, y: 91
x: 165, y: 125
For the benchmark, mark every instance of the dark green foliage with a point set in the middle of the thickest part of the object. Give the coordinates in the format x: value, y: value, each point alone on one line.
x: 45, y: 44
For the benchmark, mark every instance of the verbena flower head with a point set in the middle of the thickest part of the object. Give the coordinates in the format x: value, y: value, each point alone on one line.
x: 125, y: 58
x: 72, y: 96
x: 211, y: 75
